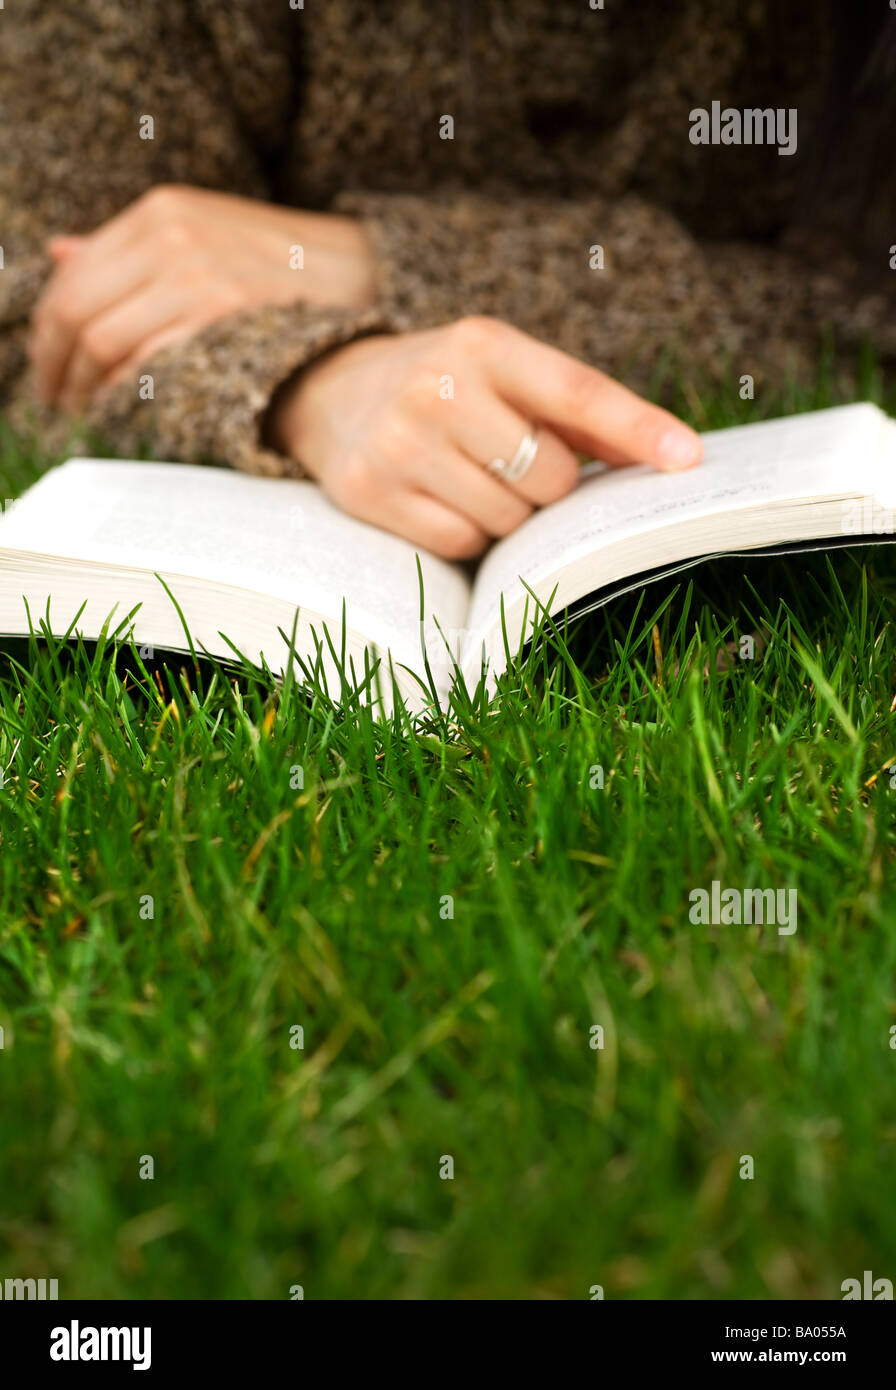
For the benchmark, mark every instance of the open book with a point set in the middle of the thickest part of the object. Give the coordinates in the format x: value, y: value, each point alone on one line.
x: 250, y: 559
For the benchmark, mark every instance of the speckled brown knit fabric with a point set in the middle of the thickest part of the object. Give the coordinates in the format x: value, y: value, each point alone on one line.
x: 570, y: 130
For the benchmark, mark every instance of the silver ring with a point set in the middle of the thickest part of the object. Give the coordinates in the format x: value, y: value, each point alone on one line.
x: 519, y: 465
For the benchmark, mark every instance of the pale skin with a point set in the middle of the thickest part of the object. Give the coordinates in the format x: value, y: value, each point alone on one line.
x: 396, y: 429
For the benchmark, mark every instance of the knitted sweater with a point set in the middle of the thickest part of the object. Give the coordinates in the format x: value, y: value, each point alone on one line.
x: 570, y: 130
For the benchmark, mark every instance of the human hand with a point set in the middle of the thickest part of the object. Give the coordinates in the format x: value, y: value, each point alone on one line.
x: 374, y: 423
x: 169, y: 264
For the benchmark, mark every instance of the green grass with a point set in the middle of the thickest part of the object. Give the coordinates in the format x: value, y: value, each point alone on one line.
x: 427, y: 1036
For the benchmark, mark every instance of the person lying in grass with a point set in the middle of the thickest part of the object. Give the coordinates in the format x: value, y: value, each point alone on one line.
x: 407, y: 250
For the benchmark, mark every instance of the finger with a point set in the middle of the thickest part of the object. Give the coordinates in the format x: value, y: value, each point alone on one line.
x: 175, y: 333
x: 113, y: 236
x: 418, y: 517
x: 465, y: 486
x: 486, y: 427
x: 428, y: 522
x: 79, y: 292
x: 586, y: 407
x: 116, y: 335
x: 107, y: 256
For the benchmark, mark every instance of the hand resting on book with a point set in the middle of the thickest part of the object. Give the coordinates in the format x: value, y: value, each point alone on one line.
x: 400, y: 430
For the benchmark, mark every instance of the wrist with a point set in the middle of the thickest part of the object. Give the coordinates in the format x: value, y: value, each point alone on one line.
x: 277, y: 430
x: 288, y: 419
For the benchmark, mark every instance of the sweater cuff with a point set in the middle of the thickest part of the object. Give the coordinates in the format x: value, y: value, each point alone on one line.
x: 434, y: 255
x: 205, y: 400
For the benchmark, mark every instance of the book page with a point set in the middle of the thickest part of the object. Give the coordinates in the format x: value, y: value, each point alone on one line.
x: 823, y: 454
x: 274, y: 536
x: 885, y: 488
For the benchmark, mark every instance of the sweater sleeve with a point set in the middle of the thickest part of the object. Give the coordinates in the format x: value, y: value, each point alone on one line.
x: 620, y: 283
x: 69, y: 163
x: 203, y: 400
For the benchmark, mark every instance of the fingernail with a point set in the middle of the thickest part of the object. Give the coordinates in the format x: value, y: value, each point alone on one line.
x: 679, y: 448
